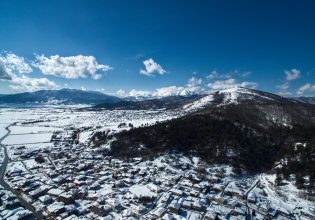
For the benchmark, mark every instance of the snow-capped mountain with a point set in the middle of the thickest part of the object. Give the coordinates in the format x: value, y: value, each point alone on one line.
x: 235, y: 96
x: 256, y: 107
x: 55, y: 97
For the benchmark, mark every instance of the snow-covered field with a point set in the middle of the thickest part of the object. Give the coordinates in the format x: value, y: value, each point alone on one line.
x: 32, y: 129
x: 36, y: 125
x: 2, y: 131
x: 27, y: 139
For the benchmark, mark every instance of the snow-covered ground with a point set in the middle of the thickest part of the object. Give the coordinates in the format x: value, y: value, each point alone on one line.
x: 32, y: 129
x: 37, y: 125
x: 2, y: 131
x: 141, y: 190
x: 230, y: 96
x: 27, y: 139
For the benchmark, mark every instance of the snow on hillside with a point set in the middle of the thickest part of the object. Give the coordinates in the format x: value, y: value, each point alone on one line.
x: 199, y: 103
x: 230, y: 96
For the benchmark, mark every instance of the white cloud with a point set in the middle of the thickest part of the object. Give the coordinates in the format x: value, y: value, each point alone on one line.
x: 169, y: 91
x: 193, y: 86
x: 4, y: 74
x: 137, y: 93
x: 250, y: 85
x: 25, y: 83
x: 292, y: 74
x: 193, y: 81
x: 284, y: 86
x: 13, y: 68
x: 306, y: 88
x: 245, y: 74
x: 121, y: 93
x: 222, y: 84
x: 230, y: 83
x: 71, y: 67
x: 216, y: 75
x: 14, y: 63
x: 160, y: 92
x: 151, y: 67
x: 285, y: 93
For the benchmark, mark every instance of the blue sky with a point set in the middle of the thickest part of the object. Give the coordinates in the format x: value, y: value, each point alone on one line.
x: 158, y: 47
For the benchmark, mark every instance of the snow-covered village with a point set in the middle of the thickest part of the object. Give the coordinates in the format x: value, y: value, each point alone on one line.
x: 47, y: 173
x: 157, y: 110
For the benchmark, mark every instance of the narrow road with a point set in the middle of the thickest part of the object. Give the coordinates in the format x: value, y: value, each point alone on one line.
x: 3, y: 169
x: 6, y: 158
x: 226, y: 185
x: 246, y: 198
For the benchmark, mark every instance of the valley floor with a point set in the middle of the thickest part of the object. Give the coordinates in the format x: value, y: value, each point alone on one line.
x: 45, y: 173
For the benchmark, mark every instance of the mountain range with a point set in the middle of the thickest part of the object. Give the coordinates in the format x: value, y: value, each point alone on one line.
x: 101, y: 100
x: 57, y: 97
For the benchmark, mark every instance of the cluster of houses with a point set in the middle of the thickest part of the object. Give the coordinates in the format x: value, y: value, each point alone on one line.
x: 75, y: 181
x: 10, y: 206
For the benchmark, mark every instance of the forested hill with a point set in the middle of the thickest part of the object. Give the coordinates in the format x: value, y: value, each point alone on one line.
x: 251, y: 136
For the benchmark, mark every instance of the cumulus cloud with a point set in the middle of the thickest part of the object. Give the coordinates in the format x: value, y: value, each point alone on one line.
x: 71, y: 67
x: 151, y: 67
x: 169, y: 91
x: 292, y: 74
x: 121, y: 93
x: 3, y: 73
x: 25, y: 83
x: 222, y: 84
x: 193, y: 81
x: 306, y: 88
x: 14, y: 63
x: 192, y: 87
x: 230, y: 83
x: 216, y: 75
x: 139, y: 93
x: 13, y: 68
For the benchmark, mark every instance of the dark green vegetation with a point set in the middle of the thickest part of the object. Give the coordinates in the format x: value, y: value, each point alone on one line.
x: 215, y: 140
x: 250, y: 136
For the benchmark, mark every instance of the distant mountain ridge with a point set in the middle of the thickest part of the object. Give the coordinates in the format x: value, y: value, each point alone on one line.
x: 309, y: 100
x: 62, y: 96
x: 169, y: 102
x: 188, y: 103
